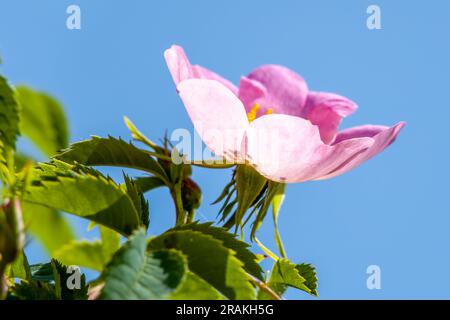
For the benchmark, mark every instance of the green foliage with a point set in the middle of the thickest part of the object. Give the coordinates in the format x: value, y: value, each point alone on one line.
x: 49, y: 281
x: 87, y: 193
x: 42, y: 120
x: 9, y: 115
x: 135, y: 273
x: 62, y: 280
x: 277, y: 201
x: 47, y: 225
x: 229, y: 241
x: 195, y: 288
x: 189, y: 261
x: 9, y: 130
x: 209, y: 259
x: 262, y: 206
x: 287, y: 274
x: 308, y: 272
x: 148, y: 183
x: 42, y: 272
x: 94, y: 255
x: 84, y: 254
x: 249, y: 184
x: 33, y: 290
x: 20, y: 268
x: 111, y: 152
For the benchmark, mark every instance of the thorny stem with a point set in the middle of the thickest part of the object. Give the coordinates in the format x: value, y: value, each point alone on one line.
x: 264, y: 287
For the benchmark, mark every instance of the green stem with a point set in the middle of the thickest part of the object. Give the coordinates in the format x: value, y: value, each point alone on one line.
x: 177, y: 200
x: 264, y: 287
x: 3, y: 285
x: 191, y: 216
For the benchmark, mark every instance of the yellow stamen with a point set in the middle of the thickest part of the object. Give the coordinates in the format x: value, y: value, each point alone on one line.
x: 252, y: 114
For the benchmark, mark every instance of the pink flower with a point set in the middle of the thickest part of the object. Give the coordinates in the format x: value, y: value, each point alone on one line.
x: 274, y: 123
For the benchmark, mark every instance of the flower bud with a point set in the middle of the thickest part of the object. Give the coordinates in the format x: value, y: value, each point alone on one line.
x: 191, y: 194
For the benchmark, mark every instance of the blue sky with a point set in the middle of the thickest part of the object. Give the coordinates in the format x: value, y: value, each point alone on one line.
x: 392, y: 211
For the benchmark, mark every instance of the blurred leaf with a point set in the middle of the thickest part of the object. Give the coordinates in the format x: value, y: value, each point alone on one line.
x: 112, y: 152
x: 42, y: 120
x: 20, y: 268
x: 110, y: 241
x: 195, y: 288
x: 9, y: 115
x: 84, y: 254
x: 9, y: 130
x: 209, y: 259
x: 47, y: 225
x: 136, y: 274
x: 94, y: 255
x: 86, y: 193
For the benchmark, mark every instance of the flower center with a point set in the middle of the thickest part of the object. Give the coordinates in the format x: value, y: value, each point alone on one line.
x: 252, y: 115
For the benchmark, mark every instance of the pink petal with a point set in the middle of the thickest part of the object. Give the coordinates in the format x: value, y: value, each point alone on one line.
x: 181, y: 69
x: 360, y: 131
x: 203, y: 73
x: 382, y: 136
x: 286, y: 90
x: 285, y: 148
x: 251, y: 91
x: 326, y: 110
x: 218, y: 115
x: 178, y: 64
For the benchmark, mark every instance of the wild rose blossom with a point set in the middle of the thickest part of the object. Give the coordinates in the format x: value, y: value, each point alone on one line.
x: 274, y: 123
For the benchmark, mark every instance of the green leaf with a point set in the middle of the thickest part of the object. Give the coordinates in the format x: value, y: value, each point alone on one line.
x: 94, y: 255
x: 34, y: 290
x: 20, y: 268
x: 47, y: 225
x: 9, y: 115
x: 112, y: 152
x: 86, y: 193
x: 136, y: 274
x: 42, y: 272
x: 277, y: 201
x: 110, y: 241
x: 84, y: 254
x: 42, y: 120
x: 195, y: 288
x: 62, y: 279
x: 9, y: 131
x: 209, y: 259
x: 138, y: 199
x: 308, y: 272
x: 229, y: 241
x: 249, y: 185
x: 148, y: 183
x: 273, y: 188
x: 284, y: 274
